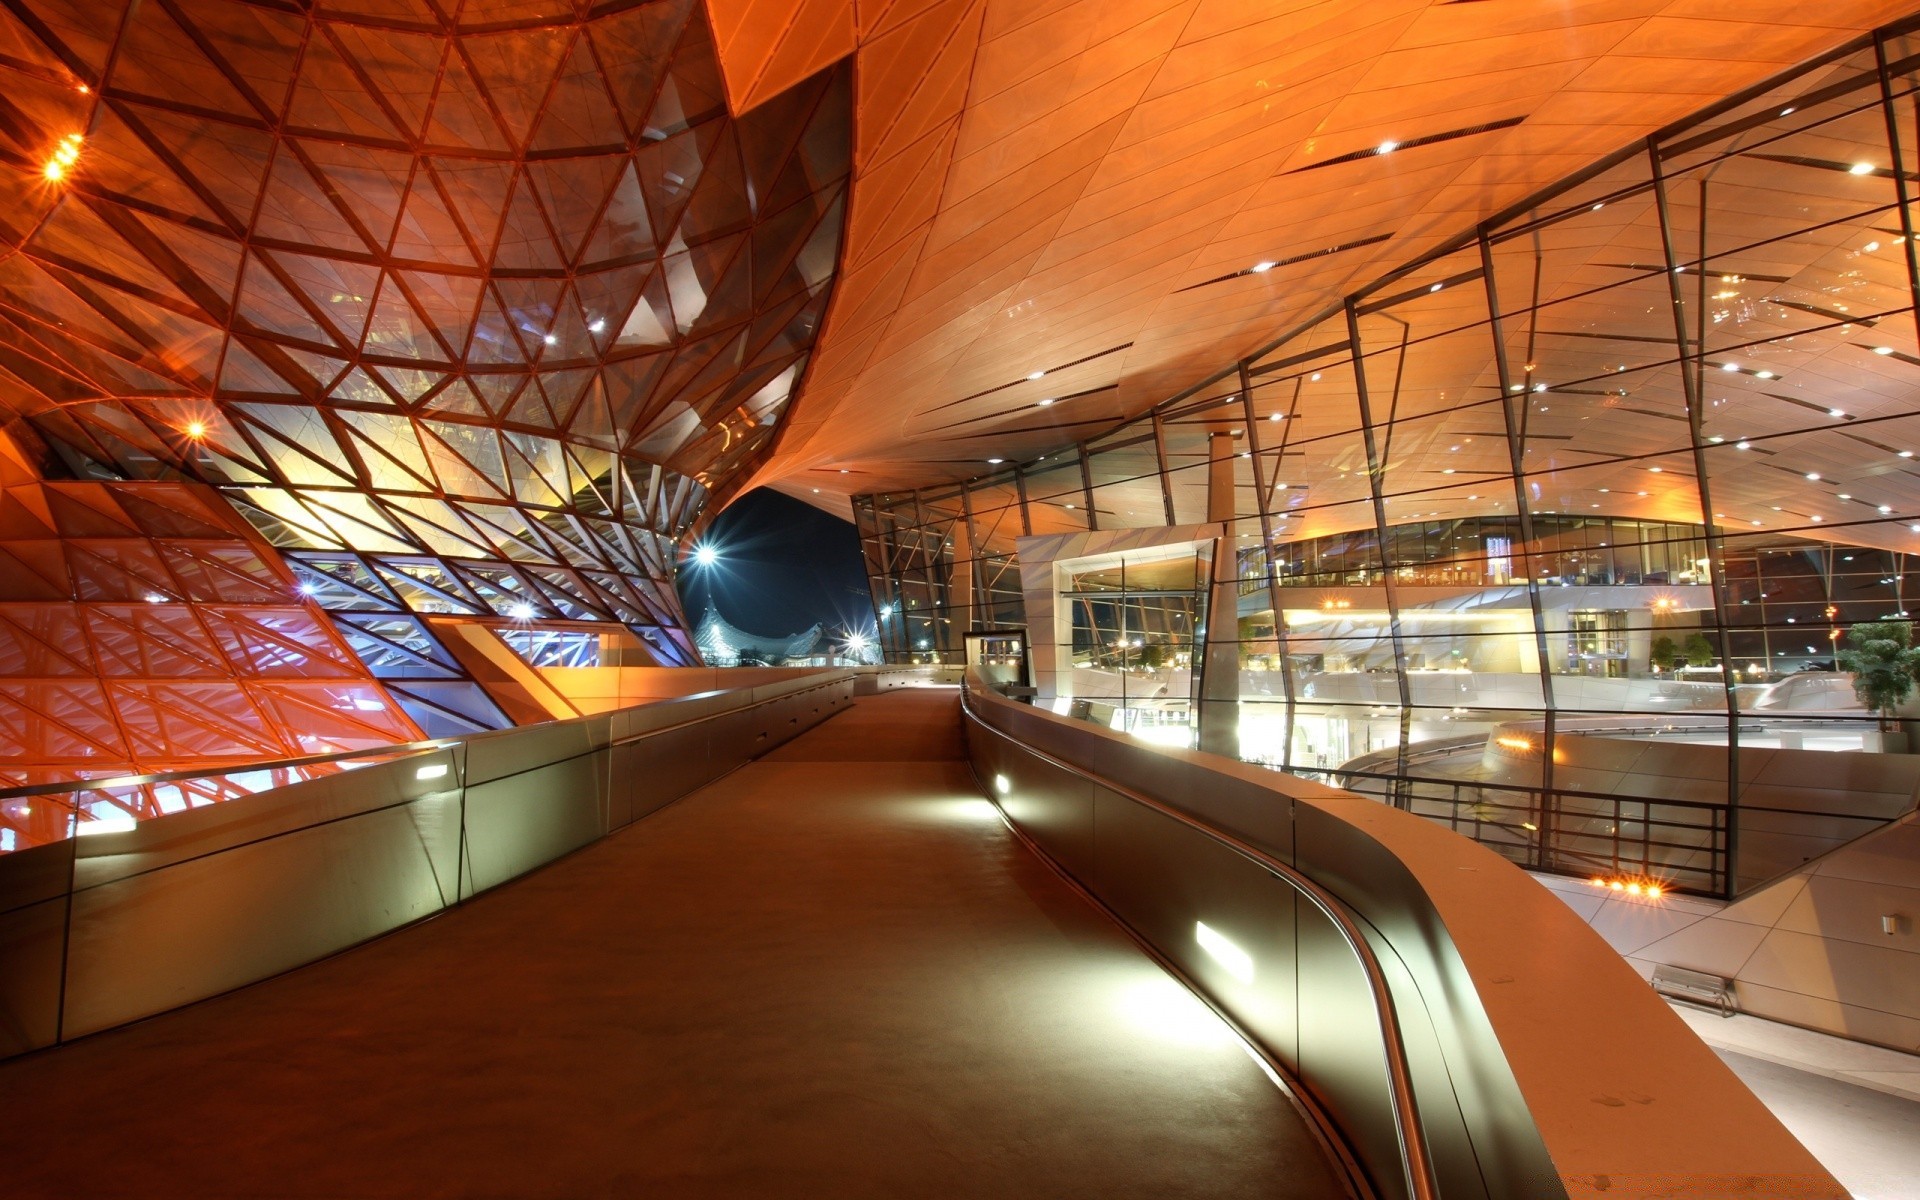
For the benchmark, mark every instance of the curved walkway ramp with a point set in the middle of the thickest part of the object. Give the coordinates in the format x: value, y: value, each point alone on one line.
x: 831, y: 973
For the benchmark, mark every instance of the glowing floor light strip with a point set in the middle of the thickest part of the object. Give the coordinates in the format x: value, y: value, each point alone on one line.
x: 1238, y: 962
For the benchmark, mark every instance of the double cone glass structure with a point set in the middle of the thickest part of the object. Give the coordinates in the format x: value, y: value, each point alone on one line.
x: 325, y: 332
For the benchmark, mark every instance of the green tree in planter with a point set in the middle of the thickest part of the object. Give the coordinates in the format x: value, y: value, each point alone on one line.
x: 1698, y: 649
x: 1883, y: 660
x: 1663, y: 652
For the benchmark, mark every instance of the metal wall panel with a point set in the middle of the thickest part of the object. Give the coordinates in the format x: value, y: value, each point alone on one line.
x: 190, y: 905
x: 1165, y: 861
x: 147, y: 942
x: 517, y: 823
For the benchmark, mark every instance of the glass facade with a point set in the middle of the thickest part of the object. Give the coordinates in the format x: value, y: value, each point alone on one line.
x: 1619, y: 469
x: 466, y: 310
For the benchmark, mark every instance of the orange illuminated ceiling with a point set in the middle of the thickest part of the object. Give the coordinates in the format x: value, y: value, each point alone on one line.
x: 1081, y: 187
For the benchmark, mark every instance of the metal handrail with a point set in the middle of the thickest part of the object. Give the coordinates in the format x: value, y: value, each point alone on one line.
x: 1416, y: 1164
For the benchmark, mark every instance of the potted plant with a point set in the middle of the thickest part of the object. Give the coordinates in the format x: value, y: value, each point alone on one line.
x: 1883, y: 660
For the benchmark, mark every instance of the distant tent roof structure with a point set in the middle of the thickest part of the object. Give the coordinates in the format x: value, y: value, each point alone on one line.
x: 721, y: 644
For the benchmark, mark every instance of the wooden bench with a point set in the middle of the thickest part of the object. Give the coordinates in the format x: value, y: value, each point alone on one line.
x: 1694, y: 987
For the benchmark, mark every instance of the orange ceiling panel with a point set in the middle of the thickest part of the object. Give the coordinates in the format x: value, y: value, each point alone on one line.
x: 1037, y: 181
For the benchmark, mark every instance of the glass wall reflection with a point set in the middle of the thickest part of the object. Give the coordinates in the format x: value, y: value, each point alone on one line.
x: 1554, y: 535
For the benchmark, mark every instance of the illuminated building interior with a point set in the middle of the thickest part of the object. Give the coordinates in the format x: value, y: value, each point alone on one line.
x: 1488, y: 417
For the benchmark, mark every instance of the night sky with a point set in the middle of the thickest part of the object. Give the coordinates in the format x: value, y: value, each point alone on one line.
x: 783, y: 565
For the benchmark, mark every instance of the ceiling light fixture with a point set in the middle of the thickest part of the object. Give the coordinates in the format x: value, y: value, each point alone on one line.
x: 1387, y: 147
x: 1883, y: 349
x: 1262, y: 267
x: 1860, y: 169
x: 1037, y: 375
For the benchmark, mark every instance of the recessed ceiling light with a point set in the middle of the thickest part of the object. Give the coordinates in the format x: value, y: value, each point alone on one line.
x: 1729, y: 366
x: 1387, y: 147
x: 1787, y: 111
x: 1860, y: 169
x: 1316, y: 377
x: 996, y: 461
x: 1743, y: 445
x: 1277, y: 417
x: 1037, y: 375
x: 1836, y: 412
x: 1883, y: 349
x: 1814, y: 475
x: 1906, y: 454
x: 1436, y: 287
x: 1656, y: 470
x: 1885, y: 509
x: 1763, y: 374
x: 1047, y: 401
x: 1262, y: 267
x: 1599, y: 206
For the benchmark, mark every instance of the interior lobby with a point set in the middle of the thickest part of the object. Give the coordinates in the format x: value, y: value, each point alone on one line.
x: 1387, y: 668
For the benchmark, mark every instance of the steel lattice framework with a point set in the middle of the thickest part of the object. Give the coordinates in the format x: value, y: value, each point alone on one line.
x: 467, y: 306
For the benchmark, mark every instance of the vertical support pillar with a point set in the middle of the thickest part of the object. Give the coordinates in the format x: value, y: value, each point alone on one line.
x: 1219, y: 684
x: 1086, y: 486
x: 1376, y: 489
x: 1691, y: 364
x: 1160, y: 460
x: 1513, y: 409
x: 1219, y: 477
x: 1262, y: 504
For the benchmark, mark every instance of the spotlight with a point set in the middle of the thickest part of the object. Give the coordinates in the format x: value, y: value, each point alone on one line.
x: 521, y: 612
x: 64, y: 156
x: 705, y: 555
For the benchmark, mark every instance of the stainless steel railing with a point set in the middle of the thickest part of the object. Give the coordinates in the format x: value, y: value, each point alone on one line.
x: 1416, y: 1164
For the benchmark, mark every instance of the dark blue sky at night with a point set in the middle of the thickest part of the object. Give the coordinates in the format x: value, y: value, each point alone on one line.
x: 783, y: 564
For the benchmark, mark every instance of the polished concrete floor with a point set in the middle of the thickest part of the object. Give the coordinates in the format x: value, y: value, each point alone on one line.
x: 831, y: 974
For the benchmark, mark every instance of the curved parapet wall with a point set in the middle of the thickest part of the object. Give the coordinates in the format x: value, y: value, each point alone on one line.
x: 102, y: 930
x: 1541, y: 1064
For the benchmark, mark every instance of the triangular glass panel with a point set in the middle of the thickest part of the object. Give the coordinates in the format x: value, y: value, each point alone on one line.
x: 579, y: 114
x: 342, y: 292
x: 329, y: 98
x: 461, y: 117
x: 517, y: 69
x: 404, y: 66
x: 574, y: 190
x: 478, y: 191
x: 371, y: 182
